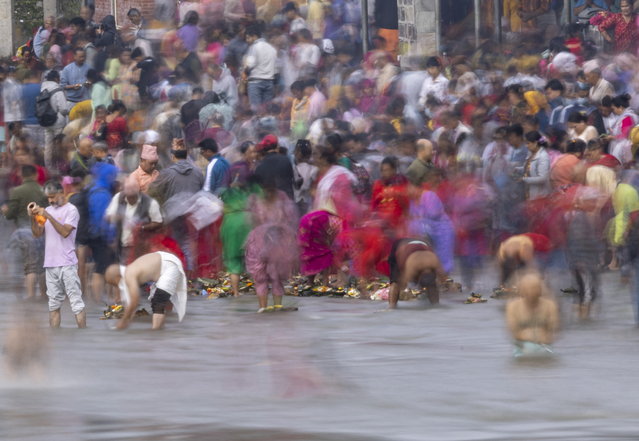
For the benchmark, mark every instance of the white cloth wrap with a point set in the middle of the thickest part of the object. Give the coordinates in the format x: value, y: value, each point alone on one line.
x: 172, y: 280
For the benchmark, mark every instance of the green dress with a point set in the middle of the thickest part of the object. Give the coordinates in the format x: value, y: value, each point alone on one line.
x: 236, y: 226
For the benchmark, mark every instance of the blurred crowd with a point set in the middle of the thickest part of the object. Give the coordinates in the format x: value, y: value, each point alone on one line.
x: 261, y: 139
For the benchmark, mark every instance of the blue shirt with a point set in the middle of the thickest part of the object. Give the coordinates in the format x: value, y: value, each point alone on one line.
x: 599, y: 4
x: 74, y: 74
x: 217, y: 175
x: 30, y: 92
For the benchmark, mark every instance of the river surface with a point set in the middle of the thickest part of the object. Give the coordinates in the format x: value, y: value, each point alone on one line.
x: 337, y: 369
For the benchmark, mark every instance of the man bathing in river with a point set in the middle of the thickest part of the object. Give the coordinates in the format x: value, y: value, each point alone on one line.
x: 165, y: 270
x: 532, y: 318
x: 412, y: 260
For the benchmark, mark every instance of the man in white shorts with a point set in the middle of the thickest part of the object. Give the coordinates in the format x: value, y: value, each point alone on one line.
x: 60, y: 259
x: 166, y: 270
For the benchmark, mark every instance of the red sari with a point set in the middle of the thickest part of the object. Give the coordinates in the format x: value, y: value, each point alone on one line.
x: 390, y: 203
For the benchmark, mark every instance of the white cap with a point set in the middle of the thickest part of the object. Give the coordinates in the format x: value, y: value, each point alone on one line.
x: 327, y: 46
x: 591, y: 65
x: 151, y: 137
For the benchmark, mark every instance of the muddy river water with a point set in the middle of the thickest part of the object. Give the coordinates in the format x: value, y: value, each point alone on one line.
x: 337, y: 369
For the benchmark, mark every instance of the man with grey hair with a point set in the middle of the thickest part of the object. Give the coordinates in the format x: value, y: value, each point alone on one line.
x: 59, y: 222
x: 599, y: 87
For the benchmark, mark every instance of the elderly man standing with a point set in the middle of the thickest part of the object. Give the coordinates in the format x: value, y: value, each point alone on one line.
x: 147, y: 171
x: 132, y: 212
x: 60, y: 260
x: 599, y: 88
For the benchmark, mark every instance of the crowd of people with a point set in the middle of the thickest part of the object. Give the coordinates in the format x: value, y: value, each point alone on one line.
x: 263, y: 141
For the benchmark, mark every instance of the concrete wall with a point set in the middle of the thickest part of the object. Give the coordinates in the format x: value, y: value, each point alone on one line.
x: 417, y: 27
x: 6, y: 28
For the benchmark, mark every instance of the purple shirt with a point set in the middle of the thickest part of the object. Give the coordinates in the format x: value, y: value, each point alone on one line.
x: 189, y: 34
x: 58, y: 250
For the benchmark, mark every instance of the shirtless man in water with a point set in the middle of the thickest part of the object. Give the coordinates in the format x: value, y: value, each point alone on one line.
x: 166, y: 270
x: 412, y: 260
x: 532, y: 318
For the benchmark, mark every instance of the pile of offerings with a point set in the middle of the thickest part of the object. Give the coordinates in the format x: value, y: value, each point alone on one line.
x: 117, y: 312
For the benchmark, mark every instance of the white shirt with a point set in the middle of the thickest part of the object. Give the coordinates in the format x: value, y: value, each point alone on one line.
x: 601, y: 89
x: 130, y: 221
x: 12, y: 98
x: 260, y: 60
x: 437, y: 87
x: 226, y: 85
x: 308, y: 173
x: 306, y: 54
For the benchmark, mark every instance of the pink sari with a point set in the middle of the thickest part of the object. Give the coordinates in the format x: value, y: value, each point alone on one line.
x: 335, y: 208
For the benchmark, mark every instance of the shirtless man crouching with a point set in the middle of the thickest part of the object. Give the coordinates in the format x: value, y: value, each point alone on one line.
x: 166, y: 270
x: 517, y: 253
x: 412, y: 260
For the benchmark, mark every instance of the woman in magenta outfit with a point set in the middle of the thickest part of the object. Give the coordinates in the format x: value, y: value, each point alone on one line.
x: 271, y: 248
x: 335, y: 208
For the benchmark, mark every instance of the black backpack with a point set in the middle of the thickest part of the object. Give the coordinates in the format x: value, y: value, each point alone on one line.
x: 45, y: 113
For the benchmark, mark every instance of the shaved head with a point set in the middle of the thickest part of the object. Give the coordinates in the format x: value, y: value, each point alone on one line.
x: 531, y: 287
x: 424, y: 149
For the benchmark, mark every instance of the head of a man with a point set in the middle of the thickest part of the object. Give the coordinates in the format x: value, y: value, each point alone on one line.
x: 388, y: 168
x: 297, y: 89
x: 28, y: 171
x: 77, y: 25
x: 134, y: 16
x: 592, y: 76
x: 131, y: 190
x: 515, y: 135
x: 424, y: 150
x: 54, y: 193
x: 450, y: 120
x: 79, y: 56
x: 433, y: 67
x: 149, y: 158
x: 208, y: 148
x: 100, y: 151
x: 530, y: 288
x: 49, y: 22
x: 554, y: 89
x: 178, y: 155
x: 290, y: 10
x: 252, y: 34
x: 85, y: 147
